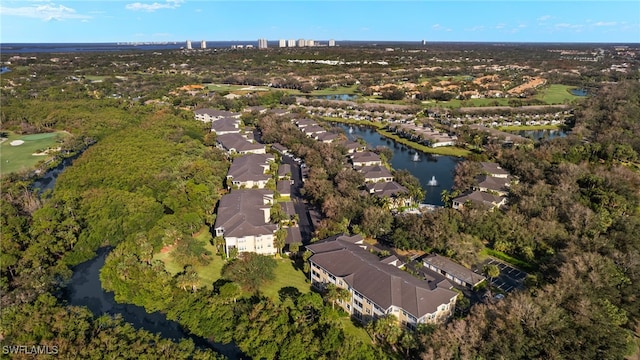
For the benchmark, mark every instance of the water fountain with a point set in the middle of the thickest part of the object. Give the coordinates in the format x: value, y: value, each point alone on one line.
x: 433, y: 181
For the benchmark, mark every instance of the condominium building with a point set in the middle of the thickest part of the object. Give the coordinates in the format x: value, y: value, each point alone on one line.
x: 282, y: 43
x: 243, y: 220
x: 378, y: 287
x: 262, y: 43
x: 332, y: 42
x: 301, y: 43
x: 189, y: 47
x: 291, y: 43
x: 310, y: 43
x: 203, y: 44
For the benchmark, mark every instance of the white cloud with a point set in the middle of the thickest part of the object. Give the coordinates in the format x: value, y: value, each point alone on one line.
x: 439, y: 27
x: 476, y: 28
x: 606, y: 23
x: 151, y: 7
x: 544, y: 18
x: 46, y: 12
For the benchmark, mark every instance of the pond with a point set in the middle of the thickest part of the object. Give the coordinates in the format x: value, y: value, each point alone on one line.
x: 346, y: 97
x: 85, y: 289
x: 579, y: 92
x: 435, y: 172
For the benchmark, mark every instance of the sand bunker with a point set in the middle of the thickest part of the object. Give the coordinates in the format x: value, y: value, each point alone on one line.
x: 16, y: 143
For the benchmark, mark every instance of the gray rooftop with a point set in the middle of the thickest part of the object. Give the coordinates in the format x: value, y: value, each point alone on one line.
x: 386, y: 189
x: 242, y: 213
x: 215, y: 113
x: 237, y: 142
x: 479, y: 197
x: 227, y: 124
x: 451, y: 267
x: 493, y: 169
x: 250, y: 167
x: 493, y: 183
x: 365, y: 156
x: 375, y: 172
x: 383, y: 284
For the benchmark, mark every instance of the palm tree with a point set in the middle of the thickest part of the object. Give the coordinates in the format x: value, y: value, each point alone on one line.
x: 492, y: 271
x: 279, y: 239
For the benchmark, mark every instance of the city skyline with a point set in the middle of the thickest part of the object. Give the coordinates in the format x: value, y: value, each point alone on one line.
x: 437, y: 21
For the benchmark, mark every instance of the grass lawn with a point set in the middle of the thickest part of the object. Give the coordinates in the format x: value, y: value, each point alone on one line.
x: 208, y: 274
x: 443, y: 150
x: 349, y: 90
x: 19, y: 158
x: 557, y: 94
x: 350, y: 329
x: 286, y: 275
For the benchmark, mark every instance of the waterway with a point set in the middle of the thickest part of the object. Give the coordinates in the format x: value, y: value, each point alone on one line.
x: 423, y: 166
x: 85, y: 289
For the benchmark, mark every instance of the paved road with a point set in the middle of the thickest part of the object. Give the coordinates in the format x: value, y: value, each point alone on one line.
x: 306, y: 229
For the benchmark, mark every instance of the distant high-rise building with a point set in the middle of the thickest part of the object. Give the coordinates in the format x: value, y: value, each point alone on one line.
x: 189, y: 45
x: 309, y: 43
x: 262, y: 43
x: 301, y: 43
x: 291, y: 43
x: 424, y: 42
x: 203, y: 44
x: 332, y: 42
x: 282, y: 43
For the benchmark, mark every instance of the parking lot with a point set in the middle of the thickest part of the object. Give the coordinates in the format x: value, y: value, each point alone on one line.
x: 510, y: 278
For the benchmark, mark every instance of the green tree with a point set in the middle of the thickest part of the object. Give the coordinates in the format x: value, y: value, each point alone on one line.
x: 250, y: 270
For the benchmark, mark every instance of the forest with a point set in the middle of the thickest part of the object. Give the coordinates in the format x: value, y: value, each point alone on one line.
x: 148, y: 177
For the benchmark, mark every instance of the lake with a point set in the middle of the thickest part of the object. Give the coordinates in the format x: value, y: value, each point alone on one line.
x: 85, y: 289
x: 423, y: 166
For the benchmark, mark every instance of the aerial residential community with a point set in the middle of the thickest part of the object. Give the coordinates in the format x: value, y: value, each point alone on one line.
x: 466, y: 188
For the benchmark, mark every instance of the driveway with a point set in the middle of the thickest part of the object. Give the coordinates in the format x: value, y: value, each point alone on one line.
x: 304, y: 222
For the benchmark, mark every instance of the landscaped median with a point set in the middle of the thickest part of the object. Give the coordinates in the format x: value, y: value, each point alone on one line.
x: 443, y: 150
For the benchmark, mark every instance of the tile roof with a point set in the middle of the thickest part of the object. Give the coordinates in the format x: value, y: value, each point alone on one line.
x: 237, y: 142
x: 242, y: 213
x: 481, y: 198
x: 383, y: 284
x: 226, y: 124
x: 364, y: 157
x: 493, y: 169
x: 375, y: 172
x: 250, y: 167
x: 453, y: 268
x: 388, y: 189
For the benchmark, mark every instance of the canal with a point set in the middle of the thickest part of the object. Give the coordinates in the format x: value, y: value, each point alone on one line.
x: 85, y: 289
x: 425, y: 167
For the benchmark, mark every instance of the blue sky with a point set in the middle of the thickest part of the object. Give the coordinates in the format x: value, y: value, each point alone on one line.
x: 36, y: 21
